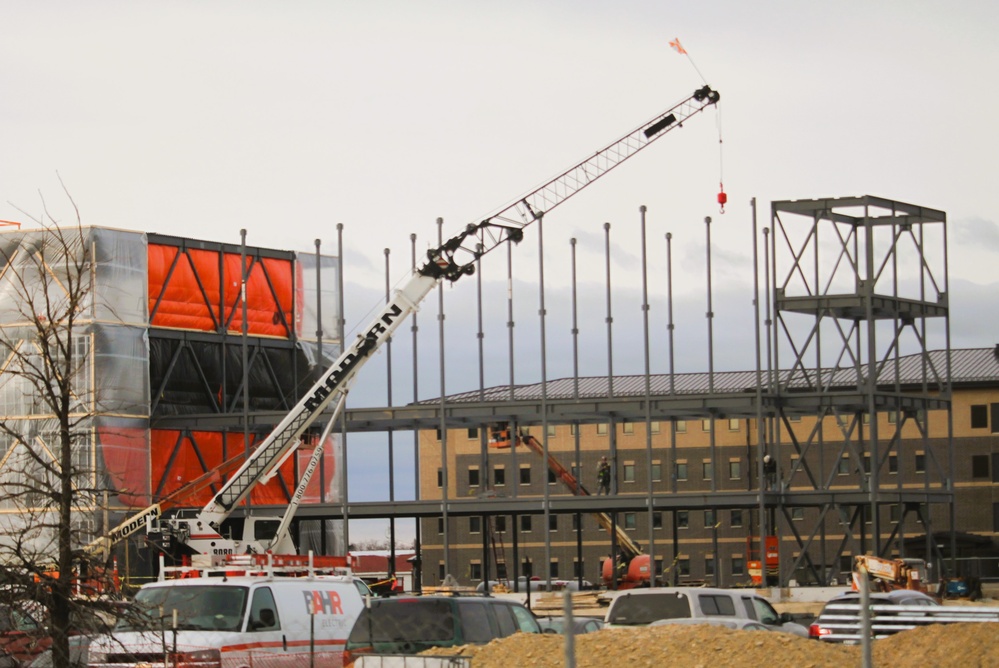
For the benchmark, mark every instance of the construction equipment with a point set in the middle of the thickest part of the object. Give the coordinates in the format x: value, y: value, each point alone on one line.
x: 889, y: 574
x: 763, y: 571
x: 632, y: 566
x: 453, y: 259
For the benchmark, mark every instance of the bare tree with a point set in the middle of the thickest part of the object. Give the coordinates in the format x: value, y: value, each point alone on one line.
x: 48, y: 402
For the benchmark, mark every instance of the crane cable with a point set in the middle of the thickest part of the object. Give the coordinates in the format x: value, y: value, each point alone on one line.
x: 722, y: 197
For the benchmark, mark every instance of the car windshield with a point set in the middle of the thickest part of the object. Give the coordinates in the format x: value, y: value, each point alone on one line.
x: 196, y: 607
x: 637, y: 609
x: 404, y: 620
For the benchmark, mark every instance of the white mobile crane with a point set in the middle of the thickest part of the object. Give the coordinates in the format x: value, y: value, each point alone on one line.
x: 455, y: 258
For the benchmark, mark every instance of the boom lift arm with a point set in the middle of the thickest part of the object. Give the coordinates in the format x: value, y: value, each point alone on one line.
x: 450, y: 261
x: 629, y: 548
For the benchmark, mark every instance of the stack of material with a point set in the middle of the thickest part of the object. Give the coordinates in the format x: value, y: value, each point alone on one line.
x: 581, y: 600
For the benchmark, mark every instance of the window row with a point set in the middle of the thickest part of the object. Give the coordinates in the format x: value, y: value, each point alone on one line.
x: 737, y: 518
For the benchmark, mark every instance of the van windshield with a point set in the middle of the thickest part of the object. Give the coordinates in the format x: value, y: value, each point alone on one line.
x: 198, y: 607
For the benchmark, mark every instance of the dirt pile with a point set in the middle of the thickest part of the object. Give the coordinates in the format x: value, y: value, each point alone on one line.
x: 704, y: 646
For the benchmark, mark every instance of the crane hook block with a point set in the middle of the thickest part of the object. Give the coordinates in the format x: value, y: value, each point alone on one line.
x: 722, y: 199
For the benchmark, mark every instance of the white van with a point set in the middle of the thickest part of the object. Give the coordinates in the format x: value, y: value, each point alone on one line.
x: 235, y: 622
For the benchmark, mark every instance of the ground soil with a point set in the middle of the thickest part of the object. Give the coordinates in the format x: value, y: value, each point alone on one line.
x: 965, y: 645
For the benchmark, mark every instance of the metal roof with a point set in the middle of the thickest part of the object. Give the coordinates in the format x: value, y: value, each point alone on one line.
x: 967, y: 365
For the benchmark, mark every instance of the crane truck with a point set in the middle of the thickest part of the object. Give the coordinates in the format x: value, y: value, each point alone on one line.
x: 201, y: 531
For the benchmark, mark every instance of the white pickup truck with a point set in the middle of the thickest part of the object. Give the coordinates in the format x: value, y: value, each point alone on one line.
x: 685, y: 605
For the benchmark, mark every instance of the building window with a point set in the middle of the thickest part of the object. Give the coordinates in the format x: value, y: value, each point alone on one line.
x: 867, y: 463
x: 440, y: 526
x: 552, y: 479
x: 892, y: 417
x: 683, y: 566
x: 473, y: 433
x: 845, y: 563
x: 440, y: 571
x: 706, y: 425
x: 654, y: 426
x: 738, y: 566
x: 797, y: 514
x: 736, y: 518
x: 734, y: 469
x: 627, y: 427
x: 474, y: 524
x: 733, y: 424
x: 475, y: 571
x: 681, y: 470
x: 709, y: 566
x: 500, y: 523
x: 920, y: 462
x: 844, y: 465
x: 657, y: 471
x: 892, y: 463
x: 525, y: 523
x: 437, y: 433
x: 553, y: 522
x: 440, y: 478
x: 499, y: 476
x: 630, y: 521
x: 577, y: 522
x: 473, y: 476
x: 707, y: 470
x: 681, y: 426
x: 629, y: 471
x: 682, y: 519
x: 979, y: 466
x: 601, y: 429
x: 866, y: 419
x: 709, y: 519
x: 551, y: 430
x: 526, y: 568
x: 577, y: 569
x: 573, y: 429
x: 657, y: 520
x: 893, y: 513
x: 525, y: 474
x: 995, y: 517
x: 794, y: 418
x: 980, y: 417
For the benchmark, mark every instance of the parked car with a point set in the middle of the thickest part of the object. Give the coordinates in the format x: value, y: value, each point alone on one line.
x: 641, y: 607
x: 22, y: 634
x: 409, y: 625
x: 579, y: 625
x: 838, y: 624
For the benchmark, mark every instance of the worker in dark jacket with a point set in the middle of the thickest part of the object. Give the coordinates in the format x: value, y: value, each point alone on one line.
x: 603, y: 477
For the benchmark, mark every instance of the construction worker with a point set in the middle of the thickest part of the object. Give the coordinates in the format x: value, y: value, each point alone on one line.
x: 603, y: 476
x: 770, y: 472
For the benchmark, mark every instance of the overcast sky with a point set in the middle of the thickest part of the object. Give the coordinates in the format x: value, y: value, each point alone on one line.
x: 202, y: 118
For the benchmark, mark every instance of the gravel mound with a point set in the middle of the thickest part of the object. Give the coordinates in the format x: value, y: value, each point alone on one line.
x: 706, y: 646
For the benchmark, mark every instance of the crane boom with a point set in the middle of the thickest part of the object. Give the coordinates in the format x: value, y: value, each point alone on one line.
x: 453, y: 259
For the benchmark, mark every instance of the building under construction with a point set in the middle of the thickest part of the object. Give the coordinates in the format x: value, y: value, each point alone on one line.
x: 858, y: 431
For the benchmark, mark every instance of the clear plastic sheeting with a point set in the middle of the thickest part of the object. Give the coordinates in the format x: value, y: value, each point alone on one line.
x: 120, y: 269
x: 319, y: 307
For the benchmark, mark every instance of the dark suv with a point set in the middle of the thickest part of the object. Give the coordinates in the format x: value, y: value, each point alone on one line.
x: 409, y: 625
